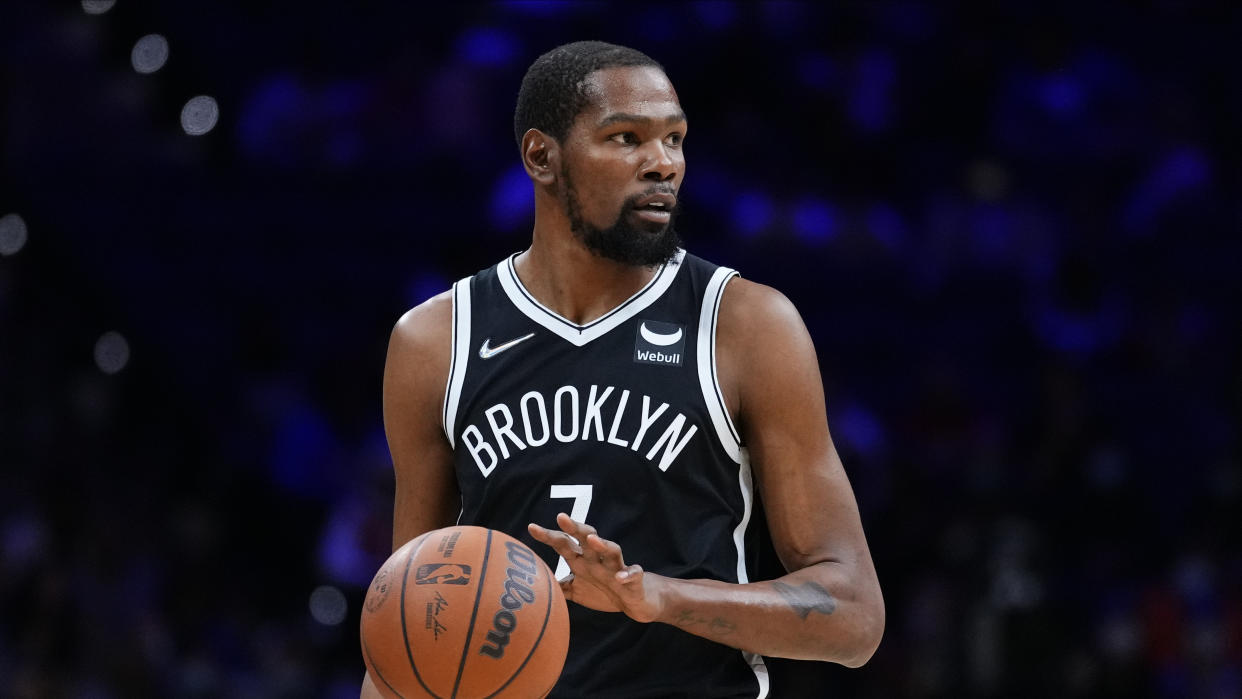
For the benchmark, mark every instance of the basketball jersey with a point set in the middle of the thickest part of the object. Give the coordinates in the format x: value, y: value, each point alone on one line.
x: 620, y: 423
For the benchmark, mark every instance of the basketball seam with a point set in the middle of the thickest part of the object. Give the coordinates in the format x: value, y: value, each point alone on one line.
x: 547, y: 615
x: 405, y: 635
x: 367, y: 649
x: 474, y: 614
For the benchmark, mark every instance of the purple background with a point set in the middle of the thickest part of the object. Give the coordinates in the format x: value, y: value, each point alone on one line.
x: 1012, y: 231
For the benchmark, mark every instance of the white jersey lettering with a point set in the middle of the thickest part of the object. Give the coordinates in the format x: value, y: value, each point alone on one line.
x: 477, y: 446
x: 674, y: 446
x: 505, y: 430
x: 561, y: 435
x: 616, y: 421
x: 593, y: 407
x: 543, y: 419
x: 647, y: 421
x: 532, y: 410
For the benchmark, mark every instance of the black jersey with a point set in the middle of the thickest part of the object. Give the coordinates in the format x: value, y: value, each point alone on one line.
x: 620, y: 423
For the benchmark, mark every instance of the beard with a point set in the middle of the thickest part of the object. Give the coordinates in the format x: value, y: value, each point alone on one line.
x: 628, y: 241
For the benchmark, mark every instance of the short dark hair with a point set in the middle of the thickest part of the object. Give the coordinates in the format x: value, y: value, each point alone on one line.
x: 553, y: 92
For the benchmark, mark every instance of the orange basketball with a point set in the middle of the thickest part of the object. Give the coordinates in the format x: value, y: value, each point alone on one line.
x: 464, y: 613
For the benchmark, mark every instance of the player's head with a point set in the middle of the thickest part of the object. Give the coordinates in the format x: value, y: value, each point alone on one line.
x: 600, y: 126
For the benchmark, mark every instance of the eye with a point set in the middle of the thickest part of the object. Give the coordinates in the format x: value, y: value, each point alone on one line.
x: 628, y: 138
x: 674, y: 139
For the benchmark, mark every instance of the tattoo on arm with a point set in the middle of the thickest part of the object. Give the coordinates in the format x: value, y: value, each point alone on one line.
x: 806, y: 598
x: 717, y: 626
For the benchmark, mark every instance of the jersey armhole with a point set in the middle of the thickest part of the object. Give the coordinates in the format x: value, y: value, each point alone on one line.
x: 709, y: 382
x: 460, y: 357
x: 726, y: 432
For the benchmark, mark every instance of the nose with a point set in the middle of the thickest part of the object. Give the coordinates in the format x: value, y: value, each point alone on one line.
x: 660, y: 165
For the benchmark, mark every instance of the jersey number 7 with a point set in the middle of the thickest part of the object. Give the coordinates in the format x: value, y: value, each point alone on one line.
x: 581, y: 495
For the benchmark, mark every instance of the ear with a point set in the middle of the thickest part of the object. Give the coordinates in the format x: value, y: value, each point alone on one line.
x: 540, y: 156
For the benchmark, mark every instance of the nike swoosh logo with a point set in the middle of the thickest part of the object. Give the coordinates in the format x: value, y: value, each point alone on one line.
x: 487, y: 352
x: 658, y: 339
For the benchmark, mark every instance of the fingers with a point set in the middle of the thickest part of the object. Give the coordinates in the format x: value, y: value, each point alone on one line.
x: 607, y: 551
x: 563, y: 543
x: 578, y: 530
x: 630, y: 575
x: 567, y: 587
x: 579, y: 540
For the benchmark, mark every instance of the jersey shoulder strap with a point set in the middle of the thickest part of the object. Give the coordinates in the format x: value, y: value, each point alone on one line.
x: 461, y: 353
x: 714, y: 279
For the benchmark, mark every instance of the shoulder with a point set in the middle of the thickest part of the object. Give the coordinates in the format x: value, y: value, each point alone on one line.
x: 753, y: 311
x: 426, y: 320
x: 431, y: 317
x: 422, y: 337
x: 762, y: 348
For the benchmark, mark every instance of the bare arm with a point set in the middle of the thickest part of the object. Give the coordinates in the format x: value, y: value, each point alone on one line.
x: 829, y: 606
x: 415, y: 374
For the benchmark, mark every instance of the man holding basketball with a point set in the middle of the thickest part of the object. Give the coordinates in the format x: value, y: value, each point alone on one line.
x: 608, y: 374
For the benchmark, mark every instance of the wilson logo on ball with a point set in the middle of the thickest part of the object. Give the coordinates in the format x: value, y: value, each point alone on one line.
x: 442, y: 574
x: 518, y: 593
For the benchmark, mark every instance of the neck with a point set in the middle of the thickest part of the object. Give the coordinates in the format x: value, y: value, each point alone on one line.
x: 573, y: 281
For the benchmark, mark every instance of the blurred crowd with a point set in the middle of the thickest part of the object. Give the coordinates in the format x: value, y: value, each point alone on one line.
x: 1013, y: 233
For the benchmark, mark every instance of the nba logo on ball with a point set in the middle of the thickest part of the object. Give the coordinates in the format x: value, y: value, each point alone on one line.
x: 659, y: 343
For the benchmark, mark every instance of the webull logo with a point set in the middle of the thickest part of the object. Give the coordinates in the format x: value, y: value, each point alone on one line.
x: 659, y: 343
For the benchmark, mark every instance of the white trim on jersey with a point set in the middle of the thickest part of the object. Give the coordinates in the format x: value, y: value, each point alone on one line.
x: 761, y: 672
x: 460, y: 358
x: 709, y: 382
x: 576, y: 334
x: 747, y: 486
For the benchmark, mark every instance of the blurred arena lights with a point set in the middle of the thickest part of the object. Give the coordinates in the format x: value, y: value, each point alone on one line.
x: 886, y: 225
x: 149, y: 54
x: 12, y: 234
x: 200, y: 115
x: 111, y: 352
x: 328, y: 605
x: 716, y: 16
x: 97, y: 7
x: 987, y: 180
x: 513, y: 200
x: 752, y: 212
x: 487, y: 46
x: 814, y: 220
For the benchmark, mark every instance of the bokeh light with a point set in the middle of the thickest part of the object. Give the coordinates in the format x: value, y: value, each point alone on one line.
x: 97, y: 7
x: 328, y: 605
x: 111, y: 352
x: 987, y: 180
x: 488, y: 46
x: 13, y: 234
x: 752, y: 212
x: 512, y: 200
x: 200, y: 115
x: 814, y: 220
x: 150, y: 53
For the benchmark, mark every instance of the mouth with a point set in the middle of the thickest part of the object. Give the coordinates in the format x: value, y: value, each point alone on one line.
x: 654, y: 214
x: 657, y: 208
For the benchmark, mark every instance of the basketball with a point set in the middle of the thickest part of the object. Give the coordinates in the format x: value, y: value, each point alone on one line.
x: 464, y: 612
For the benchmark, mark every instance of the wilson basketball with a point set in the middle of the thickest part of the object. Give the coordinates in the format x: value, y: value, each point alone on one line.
x: 464, y: 612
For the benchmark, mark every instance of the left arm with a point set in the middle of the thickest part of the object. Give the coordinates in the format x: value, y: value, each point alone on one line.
x: 829, y: 606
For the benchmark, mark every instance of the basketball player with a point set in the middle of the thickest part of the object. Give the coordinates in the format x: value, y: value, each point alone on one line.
x: 619, y: 403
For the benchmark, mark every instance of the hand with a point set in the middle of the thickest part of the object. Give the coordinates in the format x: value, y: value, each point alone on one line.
x: 599, y: 578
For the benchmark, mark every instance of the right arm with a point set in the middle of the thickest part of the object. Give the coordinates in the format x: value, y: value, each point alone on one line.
x: 415, y: 376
